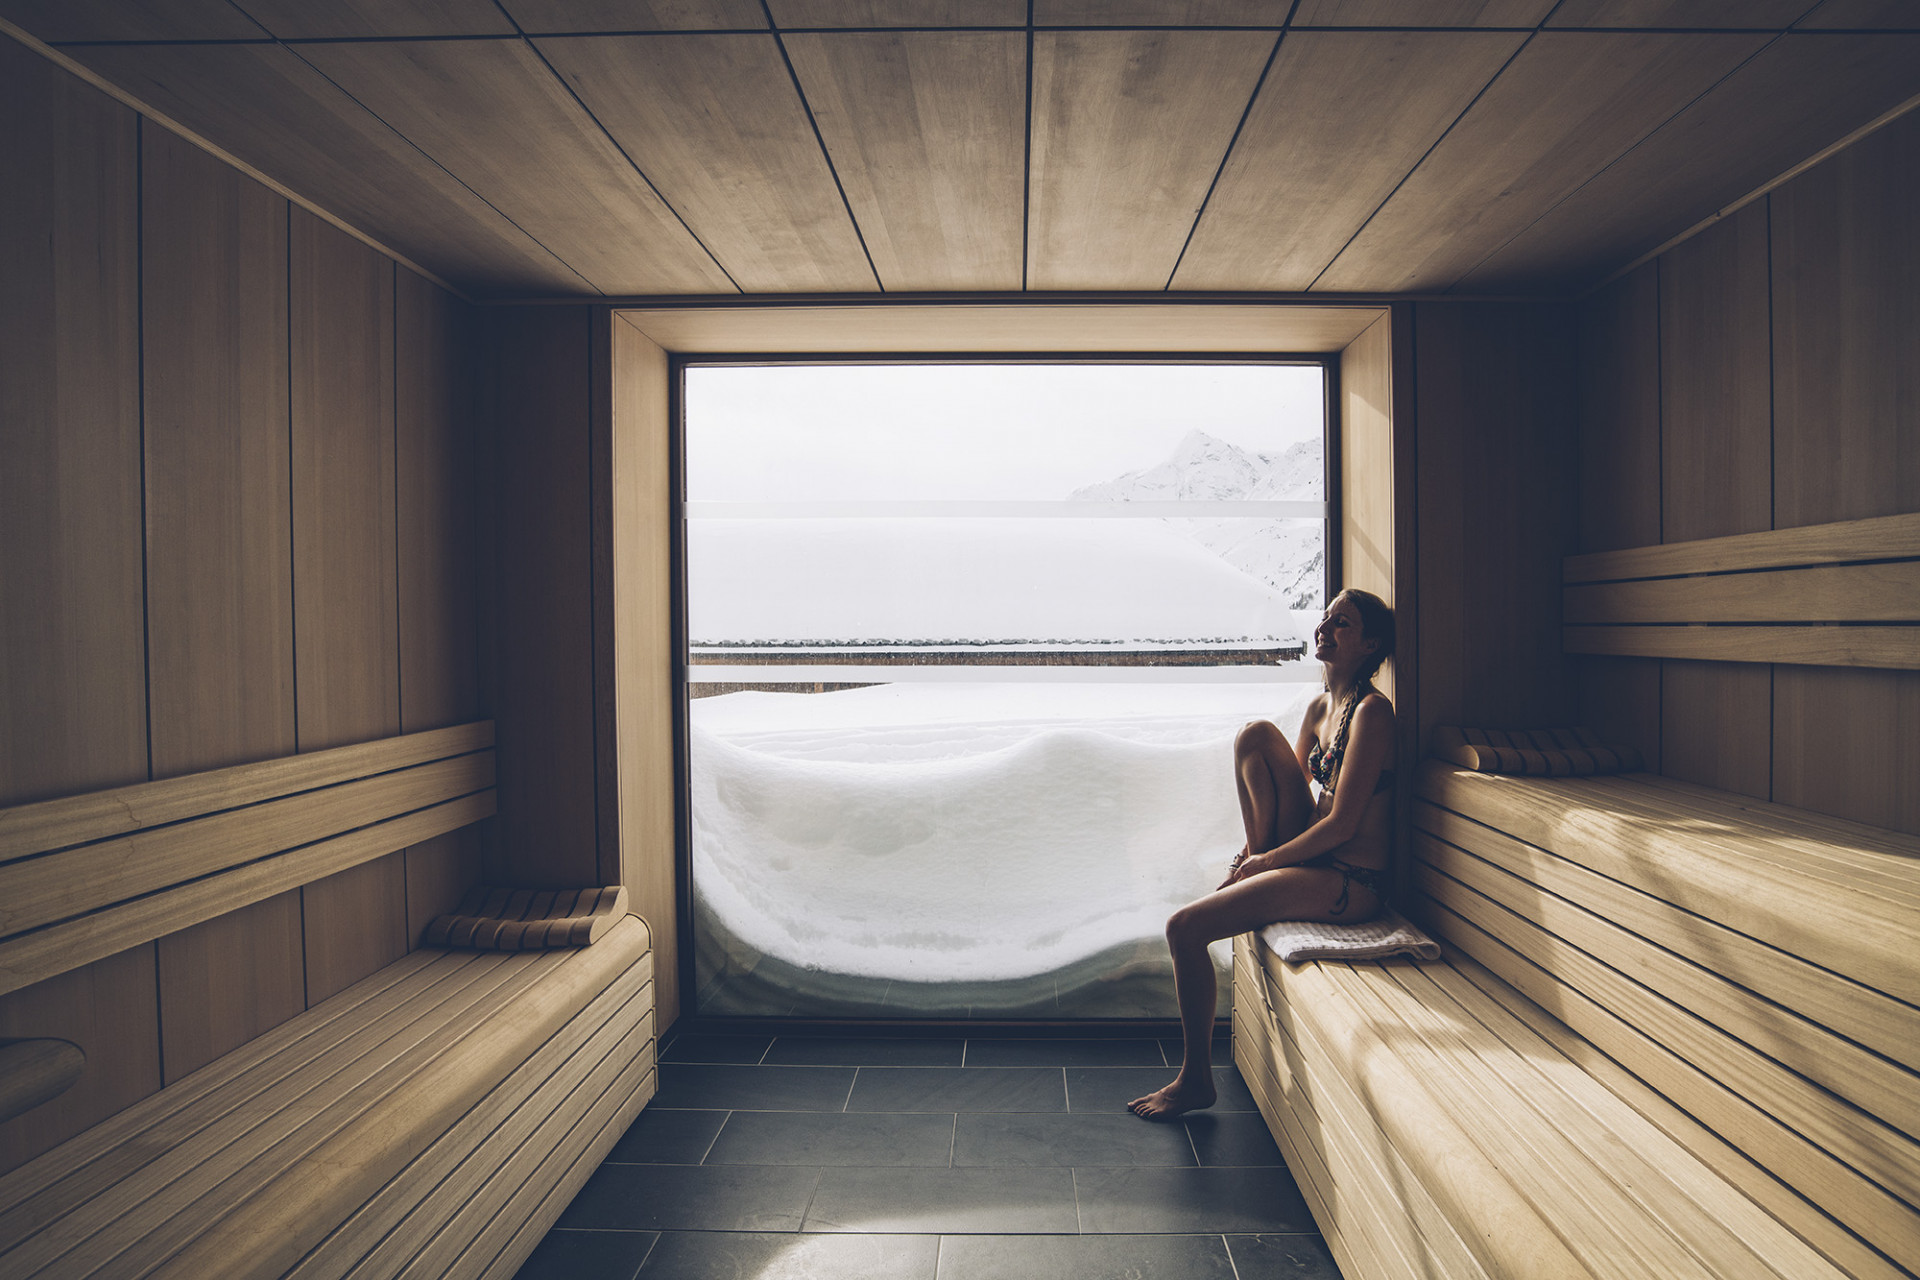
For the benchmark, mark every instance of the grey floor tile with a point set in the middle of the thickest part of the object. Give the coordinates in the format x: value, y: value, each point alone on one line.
x: 982, y: 1139
x: 1064, y: 1053
x: 707, y: 1088
x: 946, y: 1201
x: 1112, y: 1088
x: 1283, y: 1257
x: 710, y: 1048
x: 1085, y: 1258
x: 835, y: 1138
x: 662, y: 1136
x: 958, y: 1089
x: 1232, y: 1138
x: 1190, y: 1200
x: 729, y: 1255
x: 866, y: 1051
x: 587, y: 1255
x: 663, y: 1197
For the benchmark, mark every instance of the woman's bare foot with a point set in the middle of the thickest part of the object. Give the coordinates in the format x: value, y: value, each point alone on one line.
x: 1175, y: 1099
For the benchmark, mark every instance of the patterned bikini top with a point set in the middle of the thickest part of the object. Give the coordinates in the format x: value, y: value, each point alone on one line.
x: 1324, y: 764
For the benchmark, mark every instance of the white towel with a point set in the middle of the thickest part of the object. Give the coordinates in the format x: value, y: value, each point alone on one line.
x: 1385, y: 935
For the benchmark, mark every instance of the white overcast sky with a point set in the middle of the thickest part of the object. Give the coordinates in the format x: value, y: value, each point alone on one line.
x: 1007, y: 432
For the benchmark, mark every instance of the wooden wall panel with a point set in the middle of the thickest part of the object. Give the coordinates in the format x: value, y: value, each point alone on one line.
x: 542, y: 660
x: 1716, y: 396
x: 72, y: 638
x: 109, y: 1008
x: 434, y: 474
x: 1495, y: 444
x: 228, y: 980
x: 439, y: 873
x: 1619, y: 699
x: 1366, y: 462
x: 1620, y: 414
x: 1846, y: 333
x: 1716, y: 724
x: 346, y: 640
x: 219, y: 561
x: 1847, y: 742
x: 640, y: 645
x: 356, y: 921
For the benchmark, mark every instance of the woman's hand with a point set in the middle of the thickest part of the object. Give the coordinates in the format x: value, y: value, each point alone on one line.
x: 1244, y: 865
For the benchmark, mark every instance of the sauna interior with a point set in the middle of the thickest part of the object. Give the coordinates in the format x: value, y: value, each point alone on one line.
x: 338, y: 576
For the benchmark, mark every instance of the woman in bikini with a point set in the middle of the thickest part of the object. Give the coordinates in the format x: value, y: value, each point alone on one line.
x: 1305, y: 858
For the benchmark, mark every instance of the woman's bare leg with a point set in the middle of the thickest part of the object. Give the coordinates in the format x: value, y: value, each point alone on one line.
x: 1289, y: 893
x: 1275, y: 803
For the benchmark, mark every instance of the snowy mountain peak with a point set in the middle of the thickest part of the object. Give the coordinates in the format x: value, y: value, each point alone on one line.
x: 1205, y: 468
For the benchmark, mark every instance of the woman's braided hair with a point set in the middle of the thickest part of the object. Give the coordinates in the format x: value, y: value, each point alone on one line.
x: 1376, y: 623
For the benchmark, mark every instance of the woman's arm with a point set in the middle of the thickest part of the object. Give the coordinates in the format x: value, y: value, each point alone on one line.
x: 1369, y: 742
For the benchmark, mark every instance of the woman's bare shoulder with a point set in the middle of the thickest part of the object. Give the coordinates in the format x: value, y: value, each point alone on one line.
x: 1375, y: 706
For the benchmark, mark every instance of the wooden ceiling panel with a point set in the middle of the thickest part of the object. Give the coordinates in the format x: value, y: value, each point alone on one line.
x: 1800, y: 94
x: 302, y: 19
x: 1129, y: 128
x: 1159, y: 13
x: 544, y: 17
x: 1016, y: 326
x: 273, y: 111
x: 898, y: 13
x: 716, y: 125
x: 499, y: 121
x: 1681, y: 14
x: 927, y: 130
x: 1865, y: 15
x: 1342, y: 118
x: 1569, y: 104
x: 57, y: 20
x: 1421, y: 13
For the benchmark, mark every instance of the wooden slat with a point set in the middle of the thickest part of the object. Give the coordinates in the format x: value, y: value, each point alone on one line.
x: 1006, y: 327
x: 1855, y: 1011
x: 1846, y: 327
x: 499, y: 121
x: 219, y: 555
x: 927, y: 132
x: 275, y: 1227
x: 292, y: 20
x: 1715, y: 382
x: 1876, y: 538
x: 517, y: 1102
x: 898, y: 13
x: 54, y: 20
x: 1421, y: 13
x: 1792, y: 819
x: 1314, y: 160
x: 1887, y: 591
x: 57, y: 824
x: 42, y: 890
x: 1794, y: 98
x: 346, y: 611
x: 1824, y: 646
x: 1880, y: 1218
x: 1711, y: 872
x: 72, y: 690
x: 1135, y: 125
x: 272, y: 110
x: 34, y: 956
x: 1801, y: 1216
x: 1881, y: 1088
x: 1683, y: 14
x: 437, y: 481
x: 1157, y: 13
x: 1566, y: 106
x: 716, y: 125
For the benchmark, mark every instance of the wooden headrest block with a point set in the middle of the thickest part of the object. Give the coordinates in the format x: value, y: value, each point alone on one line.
x: 36, y: 1071
x: 491, y: 919
x: 1540, y: 753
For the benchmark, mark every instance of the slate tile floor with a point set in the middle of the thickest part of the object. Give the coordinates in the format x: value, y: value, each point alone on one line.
x: 865, y: 1158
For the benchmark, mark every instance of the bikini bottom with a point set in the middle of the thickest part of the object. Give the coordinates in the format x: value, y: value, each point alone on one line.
x: 1350, y: 875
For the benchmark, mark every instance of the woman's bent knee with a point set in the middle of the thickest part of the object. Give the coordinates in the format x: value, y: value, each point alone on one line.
x: 1260, y: 735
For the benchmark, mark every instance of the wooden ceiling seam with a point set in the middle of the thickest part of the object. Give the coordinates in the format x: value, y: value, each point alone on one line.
x: 615, y: 143
x: 1431, y: 148
x: 1639, y: 142
x: 1232, y: 141
x: 799, y: 89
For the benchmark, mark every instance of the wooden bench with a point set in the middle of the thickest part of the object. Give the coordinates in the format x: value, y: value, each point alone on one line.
x: 1674, y: 1034
x: 431, y: 1120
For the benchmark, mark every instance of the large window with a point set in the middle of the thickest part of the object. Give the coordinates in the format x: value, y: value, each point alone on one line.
x: 967, y: 647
